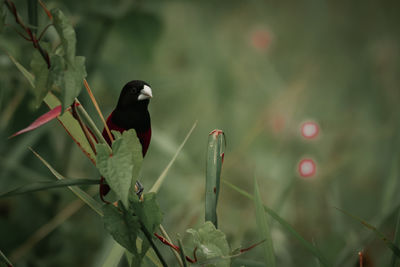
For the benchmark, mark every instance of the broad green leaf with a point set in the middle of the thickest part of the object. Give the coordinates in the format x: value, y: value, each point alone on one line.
x: 66, y: 65
x: 121, y: 170
x: 57, y: 70
x: 162, y: 176
x: 126, y: 224
x: 263, y: 227
x: 85, y: 197
x: 210, y: 242
x: 147, y: 210
x: 393, y: 247
x: 215, y: 156
x: 66, y: 33
x: 73, y: 80
x: 306, y: 244
x: 44, y: 185
x: 123, y: 226
x: 29, y: 76
x: 43, y: 81
x: 72, y: 127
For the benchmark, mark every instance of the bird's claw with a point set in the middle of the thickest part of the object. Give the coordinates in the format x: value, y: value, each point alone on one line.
x: 139, y: 190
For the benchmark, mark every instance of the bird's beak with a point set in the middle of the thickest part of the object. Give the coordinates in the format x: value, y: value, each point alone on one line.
x: 145, y: 93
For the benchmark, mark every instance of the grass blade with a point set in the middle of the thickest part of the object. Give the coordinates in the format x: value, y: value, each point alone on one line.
x: 44, y: 185
x: 263, y: 227
x: 395, y: 260
x: 215, y: 157
x: 307, y: 245
x: 379, y: 234
x: 29, y: 76
x: 162, y: 176
x: 96, y: 206
x: 4, y: 259
x: 182, y: 256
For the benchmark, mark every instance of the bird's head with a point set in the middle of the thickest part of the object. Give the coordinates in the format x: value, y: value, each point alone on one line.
x: 135, y: 93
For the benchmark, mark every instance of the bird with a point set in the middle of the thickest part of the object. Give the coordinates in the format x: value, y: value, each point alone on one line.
x: 131, y: 112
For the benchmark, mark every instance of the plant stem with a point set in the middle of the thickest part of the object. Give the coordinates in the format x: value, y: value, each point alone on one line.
x: 150, y: 239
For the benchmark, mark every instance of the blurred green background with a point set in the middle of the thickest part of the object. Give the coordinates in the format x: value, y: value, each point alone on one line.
x: 256, y: 70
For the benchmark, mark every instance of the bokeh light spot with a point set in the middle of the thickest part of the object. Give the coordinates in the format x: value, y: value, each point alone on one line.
x: 309, y: 129
x: 307, y: 168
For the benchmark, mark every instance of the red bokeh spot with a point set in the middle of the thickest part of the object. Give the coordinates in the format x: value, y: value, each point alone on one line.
x: 309, y: 129
x: 307, y: 168
x: 261, y: 39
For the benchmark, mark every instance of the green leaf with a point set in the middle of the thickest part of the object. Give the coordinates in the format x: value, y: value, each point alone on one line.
x: 44, y: 185
x: 307, y: 245
x: 123, y: 226
x: 215, y: 156
x: 121, y: 170
x: 66, y: 33
x: 395, y: 249
x: 85, y: 197
x: 126, y: 224
x: 69, y: 70
x: 73, y: 80
x: 162, y: 176
x: 263, y: 227
x: 210, y: 242
x: 43, y: 82
x: 147, y: 210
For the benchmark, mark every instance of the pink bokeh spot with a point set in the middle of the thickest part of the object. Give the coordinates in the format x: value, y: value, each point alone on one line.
x: 309, y: 130
x: 307, y: 168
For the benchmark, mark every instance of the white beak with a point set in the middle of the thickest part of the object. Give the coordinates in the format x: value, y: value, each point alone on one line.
x: 145, y: 93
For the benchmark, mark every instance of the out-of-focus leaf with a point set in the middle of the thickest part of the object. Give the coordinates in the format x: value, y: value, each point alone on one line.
x: 44, y: 185
x: 210, y: 242
x: 24, y: 71
x: 43, y: 82
x: 263, y: 227
x: 395, y: 262
x: 96, y: 206
x: 121, y: 170
x: 45, y: 118
x: 72, y: 127
x: 395, y: 249
x: 70, y: 67
x: 307, y: 245
x: 2, y: 17
x: 215, y: 157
